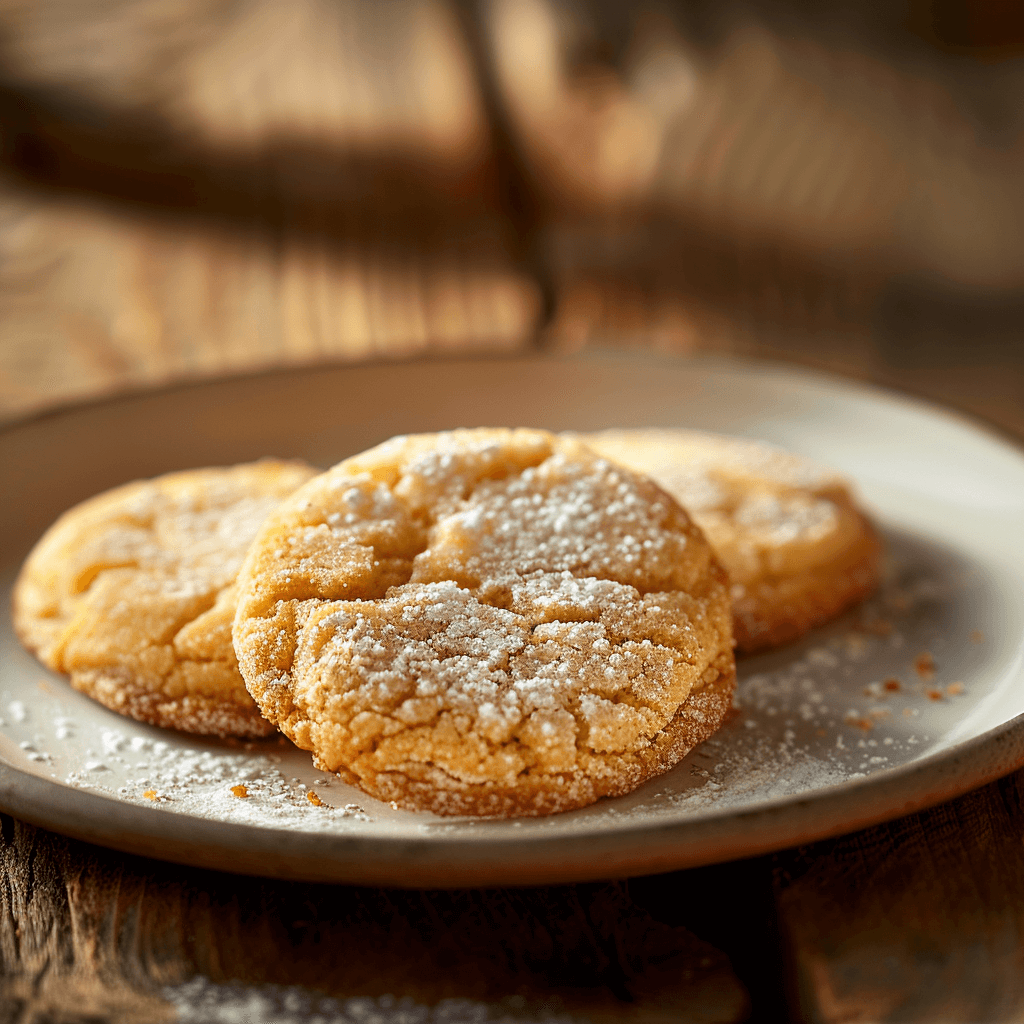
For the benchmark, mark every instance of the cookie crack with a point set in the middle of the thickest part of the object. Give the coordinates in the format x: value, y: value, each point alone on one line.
x: 86, y: 580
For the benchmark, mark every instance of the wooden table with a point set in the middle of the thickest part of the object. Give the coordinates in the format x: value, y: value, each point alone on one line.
x: 187, y: 236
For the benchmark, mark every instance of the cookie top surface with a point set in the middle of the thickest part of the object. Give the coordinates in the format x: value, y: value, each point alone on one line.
x: 787, y: 530
x: 483, y: 621
x: 132, y: 593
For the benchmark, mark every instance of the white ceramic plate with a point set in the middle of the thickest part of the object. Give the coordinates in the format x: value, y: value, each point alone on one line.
x: 821, y: 744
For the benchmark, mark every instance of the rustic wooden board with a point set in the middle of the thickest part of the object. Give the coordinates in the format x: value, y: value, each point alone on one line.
x: 917, y: 920
x: 87, y: 933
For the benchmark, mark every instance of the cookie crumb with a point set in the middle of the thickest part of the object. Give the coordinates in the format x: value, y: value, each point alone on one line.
x: 314, y: 799
x: 240, y: 791
x: 977, y: 637
x: 934, y: 694
x: 924, y: 665
x: 955, y: 689
x: 150, y: 794
x: 892, y: 684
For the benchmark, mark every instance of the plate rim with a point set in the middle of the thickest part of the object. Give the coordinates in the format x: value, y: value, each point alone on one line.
x: 903, y: 395
x: 475, y: 861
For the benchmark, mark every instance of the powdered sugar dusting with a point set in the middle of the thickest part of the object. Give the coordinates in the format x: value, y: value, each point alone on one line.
x: 797, y: 549
x: 529, y: 620
x: 559, y: 516
x: 202, y: 1000
x: 820, y: 713
x: 232, y: 786
x: 131, y: 594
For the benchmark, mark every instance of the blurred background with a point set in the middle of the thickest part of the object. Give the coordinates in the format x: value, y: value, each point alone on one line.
x: 197, y: 187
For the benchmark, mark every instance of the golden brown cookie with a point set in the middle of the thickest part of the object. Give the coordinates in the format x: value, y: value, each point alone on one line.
x: 797, y: 549
x: 487, y: 622
x: 132, y: 594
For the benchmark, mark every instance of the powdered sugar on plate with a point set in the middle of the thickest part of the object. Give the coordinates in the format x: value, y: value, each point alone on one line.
x: 245, y: 788
x: 892, y: 681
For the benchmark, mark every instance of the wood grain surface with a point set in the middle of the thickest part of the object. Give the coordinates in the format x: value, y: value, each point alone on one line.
x: 916, y: 920
x: 87, y: 934
x: 195, y: 187
x: 920, y: 919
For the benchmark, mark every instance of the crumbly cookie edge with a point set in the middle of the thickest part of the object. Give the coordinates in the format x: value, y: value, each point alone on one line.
x: 697, y: 719
x: 762, y: 622
x: 196, y: 714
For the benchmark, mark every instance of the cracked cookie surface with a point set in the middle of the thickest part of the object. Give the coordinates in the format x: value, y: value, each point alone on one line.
x: 132, y: 594
x: 488, y: 622
x: 797, y: 548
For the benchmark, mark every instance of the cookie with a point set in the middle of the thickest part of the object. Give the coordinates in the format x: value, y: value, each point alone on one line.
x: 132, y: 594
x: 797, y: 549
x: 487, y: 622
